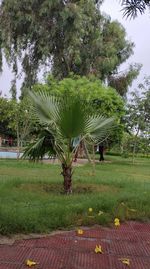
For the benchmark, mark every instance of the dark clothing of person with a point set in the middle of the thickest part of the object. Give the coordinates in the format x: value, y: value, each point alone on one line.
x: 101, y: 152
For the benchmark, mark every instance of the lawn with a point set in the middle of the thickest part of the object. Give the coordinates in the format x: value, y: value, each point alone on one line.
x: 32, y: 199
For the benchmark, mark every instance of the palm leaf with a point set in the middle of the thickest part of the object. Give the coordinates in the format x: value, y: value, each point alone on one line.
x: 102, y: 129
x: 68, y: 119
x: 44, y: 144
x: 132, y: 7
x: 73, y: 117
x: 45, y: 107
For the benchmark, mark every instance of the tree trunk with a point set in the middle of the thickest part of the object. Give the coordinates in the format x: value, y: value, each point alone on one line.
x: 18, y: 143
x: 67, y: 174
x: 134, y: 147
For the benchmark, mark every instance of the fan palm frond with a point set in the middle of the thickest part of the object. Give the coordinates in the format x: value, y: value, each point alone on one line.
x: 44, y: 144
x: 132, y: 7
x: 45, y: 107
x: 68, y: 119
x: 99, y: 127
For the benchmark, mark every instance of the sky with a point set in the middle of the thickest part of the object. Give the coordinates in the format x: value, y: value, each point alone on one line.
x: 137, y: 32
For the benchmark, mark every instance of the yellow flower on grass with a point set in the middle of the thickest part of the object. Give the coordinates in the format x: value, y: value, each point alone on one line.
x: 80, y: 231
x: 98, y: 249
x: 90, y: 209
x: 116, y: 222
x: 125, y: 261
x: 100, y: 213
x: 132, y: 210
x: 30, y: 263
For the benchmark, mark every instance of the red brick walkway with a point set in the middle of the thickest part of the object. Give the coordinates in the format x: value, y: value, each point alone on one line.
x: 69, y: 251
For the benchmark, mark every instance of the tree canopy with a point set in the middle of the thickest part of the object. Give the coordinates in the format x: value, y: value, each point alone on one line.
x: 15, y: 119
x: 138, y: 115
x: 68, y: 36
x: 138, y: 112
x: 101, y: 99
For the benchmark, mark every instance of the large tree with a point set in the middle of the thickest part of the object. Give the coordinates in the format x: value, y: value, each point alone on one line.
x: 68, y: 36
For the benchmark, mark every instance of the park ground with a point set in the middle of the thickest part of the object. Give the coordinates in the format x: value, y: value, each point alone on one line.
x: 32, y: 199
x: 32, y: 203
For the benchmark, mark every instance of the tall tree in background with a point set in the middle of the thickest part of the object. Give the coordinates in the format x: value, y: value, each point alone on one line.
x: 138, y: 113
x: 121, y: 81
x: 15, y: 119
x: 68, y: 36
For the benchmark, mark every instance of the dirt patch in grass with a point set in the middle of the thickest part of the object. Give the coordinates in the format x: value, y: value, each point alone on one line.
x: 91, y: 188
x: 58, y: 188
x: 42, y: 187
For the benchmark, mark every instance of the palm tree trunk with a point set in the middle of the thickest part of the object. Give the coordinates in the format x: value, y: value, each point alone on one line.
x: 67, y: 174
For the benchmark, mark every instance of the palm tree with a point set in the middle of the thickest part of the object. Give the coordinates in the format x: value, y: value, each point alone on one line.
x: 132, y: 7
x: 68, y: 121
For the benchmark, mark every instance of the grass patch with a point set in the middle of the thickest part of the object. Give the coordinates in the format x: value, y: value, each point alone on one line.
x: 32, y: 200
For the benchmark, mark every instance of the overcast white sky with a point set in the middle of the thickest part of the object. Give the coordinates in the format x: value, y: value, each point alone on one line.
x: 137, y: 31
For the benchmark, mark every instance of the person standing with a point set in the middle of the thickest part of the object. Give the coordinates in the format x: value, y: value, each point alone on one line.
x: 101, y: 152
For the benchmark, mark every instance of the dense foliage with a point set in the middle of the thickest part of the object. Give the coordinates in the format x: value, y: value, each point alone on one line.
x: 101, y: 99
x: 138, y: 117
x: 16, y: 120
x: 68, y: 36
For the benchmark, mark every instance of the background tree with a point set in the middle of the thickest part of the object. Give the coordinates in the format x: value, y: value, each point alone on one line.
x: 142, y: 145
x: 138, y: 113
x: 6, y: 116
x: 68, y: 36
x: 122, y: 81
x: 15, y: 119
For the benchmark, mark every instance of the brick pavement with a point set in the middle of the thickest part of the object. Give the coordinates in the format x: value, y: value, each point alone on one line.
x: 70, y: 251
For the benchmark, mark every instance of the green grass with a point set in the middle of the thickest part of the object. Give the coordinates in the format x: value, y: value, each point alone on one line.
x: 32, y: 199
